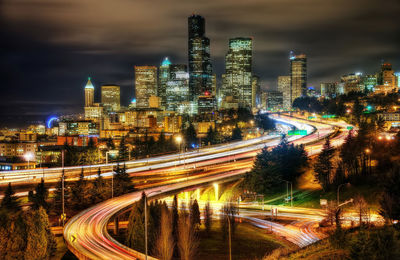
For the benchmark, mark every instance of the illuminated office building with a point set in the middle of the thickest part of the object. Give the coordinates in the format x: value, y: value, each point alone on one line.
x: 177, y: 87
x: 237, y: 80
x: 284, y: 87
x: 200, y: 69
x: 352, y: 83
x: 163, y: 78
x: 89, y: 93
x: 145, y: 84
x: 386, y: 76
x: 298, y: 76
x: 110, y: 97
x: 397, y: 75
x: 370, y: 81
x: 329, y: 89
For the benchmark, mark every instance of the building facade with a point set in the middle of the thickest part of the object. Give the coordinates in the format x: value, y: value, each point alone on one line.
x: 274, y: 100
x: 145, y: 84
x: 237, y: 81
x: 163, y: 78
x: 111, y: 97
x: 177, y: 87
x: 329, y: 89
x: 284, y: 87
x: 298, y: 76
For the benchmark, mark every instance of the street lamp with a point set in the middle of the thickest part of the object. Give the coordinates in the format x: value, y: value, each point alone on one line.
x: 178, y: 139
x: 28, y: 157
x: 291, y: 191
x: 145, y: 218
x: 338, y: 189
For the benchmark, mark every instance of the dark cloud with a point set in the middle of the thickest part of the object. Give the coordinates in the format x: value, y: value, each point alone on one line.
x: 48, y: 47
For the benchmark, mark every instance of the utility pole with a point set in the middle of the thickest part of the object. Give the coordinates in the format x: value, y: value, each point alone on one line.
x: 62, y: 189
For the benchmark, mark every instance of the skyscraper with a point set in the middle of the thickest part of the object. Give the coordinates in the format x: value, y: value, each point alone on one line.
x: 145, y: 84
x: 110, y: 97
x: 386, y: 75
x: 298, y: 76
x: 89, y: 93
x: 177, y: 91
x: 163, y: 78
x: 237, y: 81
x: 284, y: 87
x: 200, y: 69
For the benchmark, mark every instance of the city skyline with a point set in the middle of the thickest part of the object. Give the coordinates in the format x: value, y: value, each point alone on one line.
x: 56, y: 56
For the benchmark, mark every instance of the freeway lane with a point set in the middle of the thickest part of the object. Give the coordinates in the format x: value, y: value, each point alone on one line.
x: 86, y: 233
x: 53, y: 174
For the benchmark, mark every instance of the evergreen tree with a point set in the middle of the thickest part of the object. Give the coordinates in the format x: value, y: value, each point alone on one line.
x: 390, y: 201
x: 10, y: 201
x: 110, y: 144
x: 40, y: 242
x: 79, y: 193
x: 323, y: 167
x: 122, y: 181
x: 99, y: 189
x: 122, y: 150
x: 195, y: 215
x: 175, y: 220
x: 57, y: 198
x: 236, y: 134
x: 135, y: 233
x: 190, y: 136
x: 39, y: 197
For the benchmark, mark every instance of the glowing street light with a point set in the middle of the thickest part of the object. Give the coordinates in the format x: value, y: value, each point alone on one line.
x: 28, y: 157
x: 216, y: 191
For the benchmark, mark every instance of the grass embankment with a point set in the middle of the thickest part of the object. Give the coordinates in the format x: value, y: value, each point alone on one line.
x: 248, y: 242
x: 319, y: 250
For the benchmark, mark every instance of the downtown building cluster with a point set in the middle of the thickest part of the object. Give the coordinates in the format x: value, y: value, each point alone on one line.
x: 384, y: 81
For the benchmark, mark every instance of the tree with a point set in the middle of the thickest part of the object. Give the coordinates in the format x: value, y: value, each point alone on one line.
x: 135, y: 233
x: 190, y: 136
x: 195, y: 215
x: 39, y: 197
x: 40, y: 243
x: 110, y: 144
x: 323, y: 167
x: 57, y: 197
x: 164, y: 248
x: 263, y: 121
x: 122, y: 181
x: 187, y: 241
x: 25, y: 235
x: 361, y: 208
x: 236, y: 134
x: 10, y: 201
x: 284, y: 162
x: 390, y: 201
x: 79, y: 193
x: 99, y: 189
x: 122, y: 150
x: 175, y: 221
x: 207, y: 217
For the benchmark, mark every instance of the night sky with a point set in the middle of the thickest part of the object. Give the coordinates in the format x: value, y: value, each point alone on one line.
x: 48, y: 48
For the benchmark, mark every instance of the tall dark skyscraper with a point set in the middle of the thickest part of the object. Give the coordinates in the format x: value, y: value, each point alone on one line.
x: 298, y: 76
x: 200, y: 69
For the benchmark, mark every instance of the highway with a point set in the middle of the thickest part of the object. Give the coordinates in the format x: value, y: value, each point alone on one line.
x: 86, y: 232
x: 234, y: 148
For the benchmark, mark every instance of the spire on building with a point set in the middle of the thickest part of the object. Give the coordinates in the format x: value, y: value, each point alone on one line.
x: 166, y: 62
x: 89, y: 84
